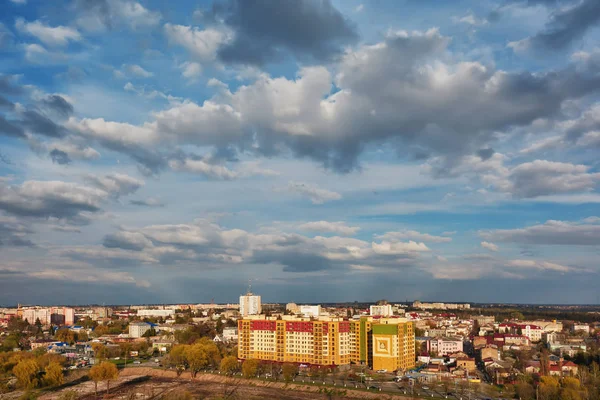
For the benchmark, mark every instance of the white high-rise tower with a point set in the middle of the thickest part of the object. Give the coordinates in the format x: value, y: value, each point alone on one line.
x: 250, y: 303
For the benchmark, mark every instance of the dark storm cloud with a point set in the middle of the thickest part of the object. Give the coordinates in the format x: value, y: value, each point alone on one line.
x: 7, y: 85
x: 265, y: 30
x: 6, y: 103
x: 485, y: 154
x: 567, y: 25
x: 59, y: 157
x: 14, y: 233
x: 41, y: 124
x: 293, y: 261
x: 150, y: 202
x: 58, y: 105
x: 8, y: 128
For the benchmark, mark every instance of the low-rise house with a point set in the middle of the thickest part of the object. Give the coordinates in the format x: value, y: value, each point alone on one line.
x: 490, y: 351
x: 444, y: 346
x: 230, y: 334
x: 466, y: 363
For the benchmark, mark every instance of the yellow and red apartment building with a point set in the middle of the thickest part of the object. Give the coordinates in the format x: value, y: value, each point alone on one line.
x: 380, y: 343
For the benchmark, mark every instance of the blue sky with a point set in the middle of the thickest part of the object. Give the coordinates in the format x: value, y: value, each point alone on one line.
x: 325, y: 150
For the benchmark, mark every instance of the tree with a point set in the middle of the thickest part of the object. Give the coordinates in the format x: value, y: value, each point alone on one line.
x: 26, y: 372
x: 96, y: 375
x: 177, y: 359
x: 289, y: 371
x: 250, y: 368
x: 549, y: 388
x: 110, y: 374
x: 149, y: 333
x: 197, y: 358
x: 229, y: 365
x: 53, y: 374
x: 65, y: 335
x: 99, y: 351
x: 570, y: 389
x: 105, y: 371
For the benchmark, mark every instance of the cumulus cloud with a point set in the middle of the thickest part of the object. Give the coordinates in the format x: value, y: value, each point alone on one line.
x: 527, y: 180
x: 51, y: 199
x: 313, y: 192
x: 542, y: 177
x: 398, y: 91
x: 391, y: 248
x: 339, y: 228
x: 58, y: 36
x: 413, y: 235
x: 489, y: 246
x: 586, y: 233
x: 264, y: 31
x: 207, y: 242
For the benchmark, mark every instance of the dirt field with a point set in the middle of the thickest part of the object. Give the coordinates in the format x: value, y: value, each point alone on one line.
x: 153, y: 384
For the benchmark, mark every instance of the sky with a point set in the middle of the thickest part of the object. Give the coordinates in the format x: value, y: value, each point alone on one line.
x: 321, y: 150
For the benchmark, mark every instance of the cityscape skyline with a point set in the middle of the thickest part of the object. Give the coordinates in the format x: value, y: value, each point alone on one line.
x: 329, y: 151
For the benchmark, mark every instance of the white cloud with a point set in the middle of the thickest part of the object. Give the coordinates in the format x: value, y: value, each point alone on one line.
x: 116, y: 184
x: 218, y: 171
x: 538, y: 265
x: 203, y: 44
x: 37, y: 54
x: 394, y: 248
x: 359, y: 8
x: 138, y: 71
x: 335, y: 227
x: 191, y: 71
x: 51, y: 36
x: 313, y: 192
x: 489, y: 246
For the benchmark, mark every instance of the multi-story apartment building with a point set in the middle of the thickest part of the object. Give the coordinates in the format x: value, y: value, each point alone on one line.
x: 138, y: 329
x: 384, y: 310
x: 33, y: 314
x: 250, y: 304
x: 328, y: 341
x: 156, y: 313
x: 297, y: 340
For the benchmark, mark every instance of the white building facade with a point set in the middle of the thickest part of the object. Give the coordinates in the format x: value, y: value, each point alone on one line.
x: 250, y: 304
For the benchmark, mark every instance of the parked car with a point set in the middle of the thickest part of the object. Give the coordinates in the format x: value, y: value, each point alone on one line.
x: 381, y: 371
x: 137, y: 362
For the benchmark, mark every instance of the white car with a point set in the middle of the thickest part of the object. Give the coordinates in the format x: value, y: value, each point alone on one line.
x: 137, y: 362
x: 381, y: 371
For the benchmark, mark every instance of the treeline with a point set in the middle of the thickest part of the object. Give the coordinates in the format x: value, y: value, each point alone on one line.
x: 554, y: 388
x: 32, y: 369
